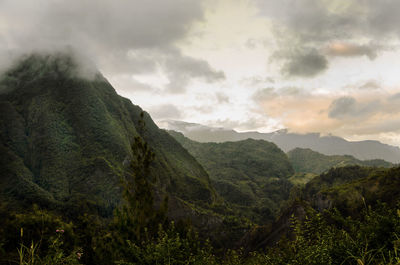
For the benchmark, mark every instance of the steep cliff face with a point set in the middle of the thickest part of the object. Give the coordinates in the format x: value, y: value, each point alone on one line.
x: 65, y: 136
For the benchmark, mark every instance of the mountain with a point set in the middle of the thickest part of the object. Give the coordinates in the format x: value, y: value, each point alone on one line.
x: 65, y: 140
x: 327, y: 145
x: 309, y: 161
x: 252, y: 175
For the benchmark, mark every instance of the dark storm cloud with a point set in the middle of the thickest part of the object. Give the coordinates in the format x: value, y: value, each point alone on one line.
x: 131, y: 36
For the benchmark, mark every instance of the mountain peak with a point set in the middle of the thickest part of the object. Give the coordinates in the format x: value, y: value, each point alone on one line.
x: 51, y: 66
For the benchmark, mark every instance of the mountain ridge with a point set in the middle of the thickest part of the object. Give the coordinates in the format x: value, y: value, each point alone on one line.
x: 251, y: 175
x: 327, y: 145
x: 309, y: 161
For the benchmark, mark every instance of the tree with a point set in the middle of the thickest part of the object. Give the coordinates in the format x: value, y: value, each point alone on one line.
x: 138, y: 219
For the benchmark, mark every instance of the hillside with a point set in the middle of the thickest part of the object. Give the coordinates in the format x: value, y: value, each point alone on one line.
x: 65, y: 140
x: 250, y: 174
x: 351, y: 190
x: 309, y: 161
x: 327, y: 145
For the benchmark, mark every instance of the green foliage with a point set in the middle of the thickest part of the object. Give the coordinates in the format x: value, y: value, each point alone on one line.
x: 251, y: 175
x: 64, y: 141
x: 36, y: 237
x: 66, y: 136
x: 301, y: 178
x: 141, y: 232
x: 349, y: 188
x: 138, y: 219
x: 170, y: 247
x: 55, y: 254
x: 330, y: 238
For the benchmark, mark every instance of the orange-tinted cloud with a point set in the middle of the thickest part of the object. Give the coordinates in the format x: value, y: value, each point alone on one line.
x: 347, y: 115
x: 344, y: 49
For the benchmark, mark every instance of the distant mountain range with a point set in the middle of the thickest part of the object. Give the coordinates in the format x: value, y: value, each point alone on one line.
x: 327, y: 145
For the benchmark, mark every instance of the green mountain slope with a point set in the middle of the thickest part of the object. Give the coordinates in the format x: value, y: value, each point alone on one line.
x: 250, y: 174
x: 350, y: 189
x: 65, y: 137
x: 309, y: 161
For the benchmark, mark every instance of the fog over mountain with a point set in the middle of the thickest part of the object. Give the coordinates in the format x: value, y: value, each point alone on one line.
x: 328, y: 145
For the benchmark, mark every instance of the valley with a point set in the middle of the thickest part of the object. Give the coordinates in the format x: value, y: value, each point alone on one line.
x: 77, y: 157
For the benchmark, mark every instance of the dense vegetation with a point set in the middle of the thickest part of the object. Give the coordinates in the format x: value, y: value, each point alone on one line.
x: 142, y: 234
x: 64, y: 137
x: 309, y: 161
x: 87, y: 178
x: 251, y: 175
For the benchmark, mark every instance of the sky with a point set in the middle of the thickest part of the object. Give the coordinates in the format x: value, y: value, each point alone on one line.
x: 328, y: 66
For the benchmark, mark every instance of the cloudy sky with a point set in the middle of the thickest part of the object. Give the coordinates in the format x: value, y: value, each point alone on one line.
x: 329, y: 66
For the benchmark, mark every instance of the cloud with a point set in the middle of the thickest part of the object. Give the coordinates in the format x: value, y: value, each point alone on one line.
x: 256, y: 81
x: 383, y: 18
x: 357, y: 115
x: 352, y: 50
x: 348, y: 107
x: 303, y: 63
x: 364, y: 86
x: 116, y: 25
x: 346, y: 28
x: 166, y: 111
x: 127, y: 83
x: 181, y: 69
x: 342, y: 106
x: 222, y: 98
x: 203, y: 109
x: 250, y: 124
x: 395, y: 97
x: 371, y: 84
x: 273, y: 93
x: 251, y: 43
x: 122, y: 37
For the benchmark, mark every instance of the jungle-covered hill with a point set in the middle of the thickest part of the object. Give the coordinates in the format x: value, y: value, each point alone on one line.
x: 250, y: 174
x: 66, y: 138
